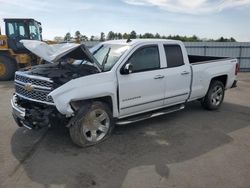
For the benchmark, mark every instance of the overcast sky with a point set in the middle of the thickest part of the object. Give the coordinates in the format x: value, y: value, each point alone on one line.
x: 204, y: 18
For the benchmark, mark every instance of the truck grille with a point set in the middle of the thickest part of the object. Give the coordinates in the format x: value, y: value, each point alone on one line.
x: 36, y: 95
x: 34, y: 88
x: 33, y: 81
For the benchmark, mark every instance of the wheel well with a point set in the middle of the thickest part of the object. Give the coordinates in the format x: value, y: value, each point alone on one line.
x: 222, y: 78
x: 106, y: 99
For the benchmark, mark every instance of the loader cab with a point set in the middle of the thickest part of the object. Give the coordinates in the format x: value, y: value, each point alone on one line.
x: 18, y: 29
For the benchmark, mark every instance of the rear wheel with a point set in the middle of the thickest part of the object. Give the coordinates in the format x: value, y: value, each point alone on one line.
x: 94, y: 126
x: 214, y: 96
x: 7, y: 68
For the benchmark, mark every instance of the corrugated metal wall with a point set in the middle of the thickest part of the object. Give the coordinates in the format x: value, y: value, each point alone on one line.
x: 240, y: 50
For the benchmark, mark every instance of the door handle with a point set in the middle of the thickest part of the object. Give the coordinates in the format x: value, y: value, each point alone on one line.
x: 158, y: 77
x: 185, y: 73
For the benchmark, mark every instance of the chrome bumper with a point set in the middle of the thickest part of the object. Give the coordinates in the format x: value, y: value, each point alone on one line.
x: 18, y: 113
x: 23, y: 117
x: 17, y: 110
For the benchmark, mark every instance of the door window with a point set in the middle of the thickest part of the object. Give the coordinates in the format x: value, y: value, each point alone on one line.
x: 11, y: 29
x: 174, y: 55
x: 144, y: 59
x: 34, y: 31
x: 21, y: 30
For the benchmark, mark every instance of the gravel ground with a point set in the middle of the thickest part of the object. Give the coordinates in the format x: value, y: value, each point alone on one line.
x: 190, y: 148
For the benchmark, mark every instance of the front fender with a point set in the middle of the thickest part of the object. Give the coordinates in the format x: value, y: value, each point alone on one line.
x: 84, y: 88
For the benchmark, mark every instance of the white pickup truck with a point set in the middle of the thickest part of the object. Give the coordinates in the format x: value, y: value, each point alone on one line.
x: 116, y: 82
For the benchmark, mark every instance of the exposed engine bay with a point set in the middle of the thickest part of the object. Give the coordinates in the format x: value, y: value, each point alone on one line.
x: 64, y: 61
x: 62, y: 72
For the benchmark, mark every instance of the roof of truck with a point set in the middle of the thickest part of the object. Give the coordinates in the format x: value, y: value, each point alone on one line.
x: 139, y: 41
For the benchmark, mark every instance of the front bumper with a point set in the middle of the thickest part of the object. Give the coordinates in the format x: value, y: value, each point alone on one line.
x: 18, y: 113
x: 32, y: 117
x: 16, y: 109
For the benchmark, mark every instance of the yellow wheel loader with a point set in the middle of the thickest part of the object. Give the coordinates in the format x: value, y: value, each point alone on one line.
x: 13, y: 55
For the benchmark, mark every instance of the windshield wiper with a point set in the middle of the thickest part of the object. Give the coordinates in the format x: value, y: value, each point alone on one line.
x: 94, y: 52
x: 105, y: 58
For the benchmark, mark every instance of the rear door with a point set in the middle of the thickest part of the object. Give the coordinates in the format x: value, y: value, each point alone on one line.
x: 143, y: 89
x: 178, y: 75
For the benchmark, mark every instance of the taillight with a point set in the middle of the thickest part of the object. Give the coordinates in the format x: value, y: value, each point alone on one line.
x: 237, y: 68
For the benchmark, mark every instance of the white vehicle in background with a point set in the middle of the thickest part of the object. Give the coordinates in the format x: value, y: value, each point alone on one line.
x: 118, y: 82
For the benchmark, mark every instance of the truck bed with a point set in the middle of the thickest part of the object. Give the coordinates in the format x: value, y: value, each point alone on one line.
x: 196, y: 59
x: 204, y: 68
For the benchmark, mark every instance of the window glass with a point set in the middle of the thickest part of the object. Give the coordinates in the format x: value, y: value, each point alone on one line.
x: 17, y: 30
x: 11, y: 28
x: 34, y: 31
x: 108, y: 55
x: 146, y: 58
x: 21, y: 30
x: 174, y: 55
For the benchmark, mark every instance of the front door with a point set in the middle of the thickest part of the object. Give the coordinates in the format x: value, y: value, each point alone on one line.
x: 143, y: 89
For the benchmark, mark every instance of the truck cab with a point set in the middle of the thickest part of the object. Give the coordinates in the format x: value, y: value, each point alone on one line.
x: 149, y: 68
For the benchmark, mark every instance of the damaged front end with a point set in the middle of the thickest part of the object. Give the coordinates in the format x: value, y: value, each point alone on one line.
x: 32, y: 106
x: 33, y: 115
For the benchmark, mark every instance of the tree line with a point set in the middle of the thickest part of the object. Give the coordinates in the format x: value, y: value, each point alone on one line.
x: 78, y: 37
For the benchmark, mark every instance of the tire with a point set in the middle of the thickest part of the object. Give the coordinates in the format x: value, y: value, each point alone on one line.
x: 214, y: 96
x: 93, y: 126
x: 8, y: 68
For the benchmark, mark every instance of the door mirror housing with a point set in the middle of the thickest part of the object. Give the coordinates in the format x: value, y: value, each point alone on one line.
x: 127, y: 68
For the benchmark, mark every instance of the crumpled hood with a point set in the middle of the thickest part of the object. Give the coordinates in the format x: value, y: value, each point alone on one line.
x: 58, y: 70
x: 54, y: 52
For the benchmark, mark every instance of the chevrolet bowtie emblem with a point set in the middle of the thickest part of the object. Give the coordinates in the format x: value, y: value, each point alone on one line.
x: 28, y: 87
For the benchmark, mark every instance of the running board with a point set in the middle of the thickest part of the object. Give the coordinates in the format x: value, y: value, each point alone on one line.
x: 148, y: 115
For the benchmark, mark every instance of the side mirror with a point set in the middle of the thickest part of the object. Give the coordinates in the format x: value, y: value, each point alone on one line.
x: 128, y: 68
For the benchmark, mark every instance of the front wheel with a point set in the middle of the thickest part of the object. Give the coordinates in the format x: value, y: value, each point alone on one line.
x: 7, y: 68
x: 214, y: 96
x: 94, y: 126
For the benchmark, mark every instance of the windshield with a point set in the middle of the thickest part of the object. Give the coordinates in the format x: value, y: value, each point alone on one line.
x: 108, y: 54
